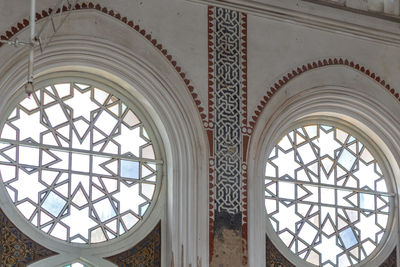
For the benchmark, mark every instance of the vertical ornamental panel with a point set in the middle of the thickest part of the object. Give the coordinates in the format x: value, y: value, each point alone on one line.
x: 226, y: 131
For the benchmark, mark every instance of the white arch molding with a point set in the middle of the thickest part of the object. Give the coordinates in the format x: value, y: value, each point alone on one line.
x: 336, y: 93
x: 182, y: 203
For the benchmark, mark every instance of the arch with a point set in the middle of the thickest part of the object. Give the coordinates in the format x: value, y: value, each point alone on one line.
x: 167, y: 96
x: 20, y: 26
x: 312, y: 66
x: 338, y: 90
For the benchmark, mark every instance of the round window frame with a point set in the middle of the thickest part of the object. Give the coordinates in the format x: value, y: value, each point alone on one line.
x: 154, y: 211
x: 356, y: 100
x: 149, y: 76
x: 378, y: 156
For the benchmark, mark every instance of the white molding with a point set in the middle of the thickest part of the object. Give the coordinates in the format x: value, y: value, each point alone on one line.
x: 319, y: 93
x: 328, y: 20
x: 63, y: 259
x: 391, y: 15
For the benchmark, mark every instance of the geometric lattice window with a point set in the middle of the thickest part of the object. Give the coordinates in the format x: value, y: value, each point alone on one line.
x: 78, y: 162
x: 326, y: 196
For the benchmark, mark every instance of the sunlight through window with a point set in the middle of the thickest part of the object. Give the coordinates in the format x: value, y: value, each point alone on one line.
x: 326, y: 196
x: 78, y: 162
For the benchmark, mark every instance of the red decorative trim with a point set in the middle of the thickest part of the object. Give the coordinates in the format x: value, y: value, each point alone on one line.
x: 244, y: 68
x: 45, y: 13
x: 211, y: 207
x: 245, y: 138
x: 244, y: 212
x: 209, y: 126
x: 210, y: 67
x: 210, y: 134
x: 314, y: 65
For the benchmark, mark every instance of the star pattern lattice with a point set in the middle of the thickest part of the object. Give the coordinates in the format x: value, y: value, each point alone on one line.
x: 326, y: 196
x: 78, y: 163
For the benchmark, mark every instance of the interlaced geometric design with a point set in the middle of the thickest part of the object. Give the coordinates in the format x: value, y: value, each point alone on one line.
x: 17, y: 249
x: 326, y: 196
x: 78, y: 163
x: 145, y: 253
x: 274, y: 257
x: 227, y: 110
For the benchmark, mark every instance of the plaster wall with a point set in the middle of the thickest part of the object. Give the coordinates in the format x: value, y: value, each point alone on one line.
x: 180, y: 26
x: 274, y: 48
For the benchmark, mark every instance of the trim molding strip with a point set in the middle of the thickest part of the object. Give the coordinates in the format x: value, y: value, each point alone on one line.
x: 308, y: 20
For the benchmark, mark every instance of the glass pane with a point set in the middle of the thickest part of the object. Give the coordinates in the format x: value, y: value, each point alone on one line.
x: 129, y: 169
x: 54, y: 204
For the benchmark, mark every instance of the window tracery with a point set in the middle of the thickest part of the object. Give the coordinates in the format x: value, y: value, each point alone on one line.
x: 326, y: 196
x: 88, y: 158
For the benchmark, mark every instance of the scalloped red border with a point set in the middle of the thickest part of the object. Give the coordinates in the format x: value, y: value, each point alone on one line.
x: 245, y: 138
x: 210, y: 132
x: 314, y: 65
x: 45, y: 13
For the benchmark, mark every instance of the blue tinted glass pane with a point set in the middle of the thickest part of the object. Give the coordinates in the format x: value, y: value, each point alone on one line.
x: 347, y: 159
x: 54, y: 204
x: 326, y: 128
x: 367, y: 201
x: 129, y: 169
x: 348, y: 238
x: 143, y: 209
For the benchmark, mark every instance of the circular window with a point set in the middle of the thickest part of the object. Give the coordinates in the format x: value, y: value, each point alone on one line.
x: 79, y: 161
x: 326, y: 196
